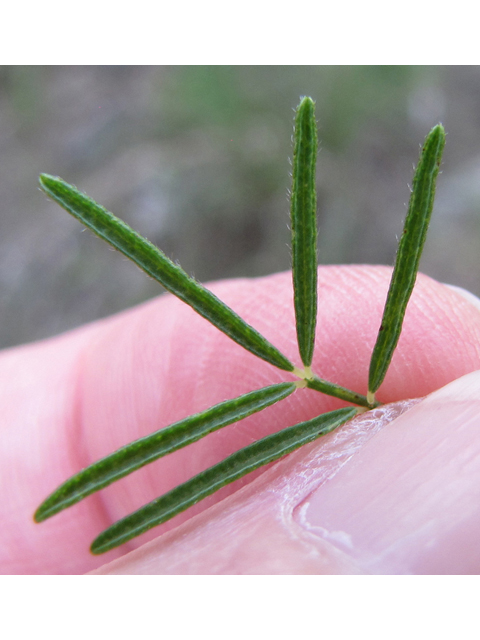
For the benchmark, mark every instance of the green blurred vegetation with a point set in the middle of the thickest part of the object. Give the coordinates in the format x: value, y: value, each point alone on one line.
x: 197, y: 159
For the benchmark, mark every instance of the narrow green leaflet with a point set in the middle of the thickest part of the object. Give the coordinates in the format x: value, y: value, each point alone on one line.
x: 303, y: 209
x: 335, y: 390
x: 204, y: 484
x: 408, y: 256
x: 145, y: 450
x: 158, y: 266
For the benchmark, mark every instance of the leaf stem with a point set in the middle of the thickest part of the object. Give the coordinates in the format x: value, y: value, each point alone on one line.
x: 335, y: 390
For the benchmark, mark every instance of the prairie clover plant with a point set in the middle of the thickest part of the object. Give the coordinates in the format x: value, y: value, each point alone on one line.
x: 304, y: 269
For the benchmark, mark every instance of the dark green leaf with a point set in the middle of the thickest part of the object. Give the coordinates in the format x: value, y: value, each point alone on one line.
x: 408, y: 256
x: 303, y: 211
x: 207, y: 482
x: 158, y: 444
x: 158, y: 266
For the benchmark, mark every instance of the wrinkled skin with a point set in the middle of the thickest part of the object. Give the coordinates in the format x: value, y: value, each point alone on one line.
x: 394, y: 491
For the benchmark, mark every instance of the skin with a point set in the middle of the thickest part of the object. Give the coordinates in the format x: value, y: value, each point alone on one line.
x: 389, y: 492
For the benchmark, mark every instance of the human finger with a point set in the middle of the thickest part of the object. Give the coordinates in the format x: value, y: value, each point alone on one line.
x: 97, y: 389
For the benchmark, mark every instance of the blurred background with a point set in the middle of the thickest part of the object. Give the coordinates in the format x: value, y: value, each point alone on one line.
x: 197, y: 159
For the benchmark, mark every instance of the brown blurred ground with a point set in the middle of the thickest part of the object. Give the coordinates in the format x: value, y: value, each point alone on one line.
x: 196, y: 158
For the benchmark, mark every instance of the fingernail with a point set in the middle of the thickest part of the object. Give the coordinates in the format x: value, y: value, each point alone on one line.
x: 408, y: 502
x: 468, y: 295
